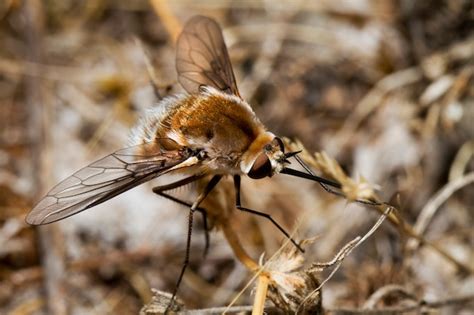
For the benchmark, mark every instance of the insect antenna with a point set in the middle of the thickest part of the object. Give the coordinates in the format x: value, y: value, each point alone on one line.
x: 292, y: 154
x: 289, y: 155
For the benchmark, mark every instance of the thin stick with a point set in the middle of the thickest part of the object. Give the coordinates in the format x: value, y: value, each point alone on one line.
x: 457, y: 300
x: 385, y: 291
x: 418, y: 308
x: 429, y: 210
x: 167, y: 17
x: 260, y: 295
x: 346, y: 250
x: 261, y: 269
x: 396, y: 220
x: 459, y: 164
x: 150, y: 69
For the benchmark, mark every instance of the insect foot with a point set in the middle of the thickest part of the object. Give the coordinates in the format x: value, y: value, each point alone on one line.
x: 160, y: 302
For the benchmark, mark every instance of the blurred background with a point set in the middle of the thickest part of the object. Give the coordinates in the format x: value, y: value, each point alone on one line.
x: 384, y: 87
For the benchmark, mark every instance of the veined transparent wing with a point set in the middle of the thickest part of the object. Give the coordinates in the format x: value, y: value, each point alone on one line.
x: 202, y: 57
x: 105, y: 179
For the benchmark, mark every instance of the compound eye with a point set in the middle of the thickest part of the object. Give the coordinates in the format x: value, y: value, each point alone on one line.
x: 262, y: 167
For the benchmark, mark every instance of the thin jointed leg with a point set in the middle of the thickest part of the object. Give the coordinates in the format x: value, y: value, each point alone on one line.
x: 262, y: 214
x: 160, y: 190
x: 209, y: 187
x: 179, y: 183
x: 201, y: 210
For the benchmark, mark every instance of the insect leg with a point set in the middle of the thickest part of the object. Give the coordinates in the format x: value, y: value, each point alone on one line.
x: 160, y: 190
x: 209, y: 187
x: 262, y: 214
x: 179, y: 183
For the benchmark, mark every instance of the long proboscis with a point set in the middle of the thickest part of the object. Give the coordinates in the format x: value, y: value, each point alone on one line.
x: 322, y: 181
x: 315, y: 178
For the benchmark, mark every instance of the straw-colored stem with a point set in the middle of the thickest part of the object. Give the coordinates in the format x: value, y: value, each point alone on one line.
x: 167, y: 17
x: 260, y: 294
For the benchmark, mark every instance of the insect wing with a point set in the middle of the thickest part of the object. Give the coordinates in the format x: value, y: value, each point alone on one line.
x: 202, y: 57
x: 104, y: 179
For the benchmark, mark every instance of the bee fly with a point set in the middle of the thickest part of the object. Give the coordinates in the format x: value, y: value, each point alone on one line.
x: 210, y: 132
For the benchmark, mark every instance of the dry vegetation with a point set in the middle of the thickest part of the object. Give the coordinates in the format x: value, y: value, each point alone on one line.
x: 383, y: 89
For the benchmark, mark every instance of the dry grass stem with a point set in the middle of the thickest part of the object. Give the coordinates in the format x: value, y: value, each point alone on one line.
x: 167, y: 17
x: 332, y: 169
x: 260, y: 294
x: 431, y: 207
x: 383, y: 292
x: 465, y: 153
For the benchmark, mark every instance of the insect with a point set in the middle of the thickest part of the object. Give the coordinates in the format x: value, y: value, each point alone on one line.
x: 207, y: 134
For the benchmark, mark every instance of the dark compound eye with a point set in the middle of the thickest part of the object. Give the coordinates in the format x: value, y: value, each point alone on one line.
x: 262, y: 167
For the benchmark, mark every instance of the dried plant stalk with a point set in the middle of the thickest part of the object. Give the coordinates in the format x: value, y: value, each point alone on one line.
x: 260, y: 294
x: 363, y: 193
